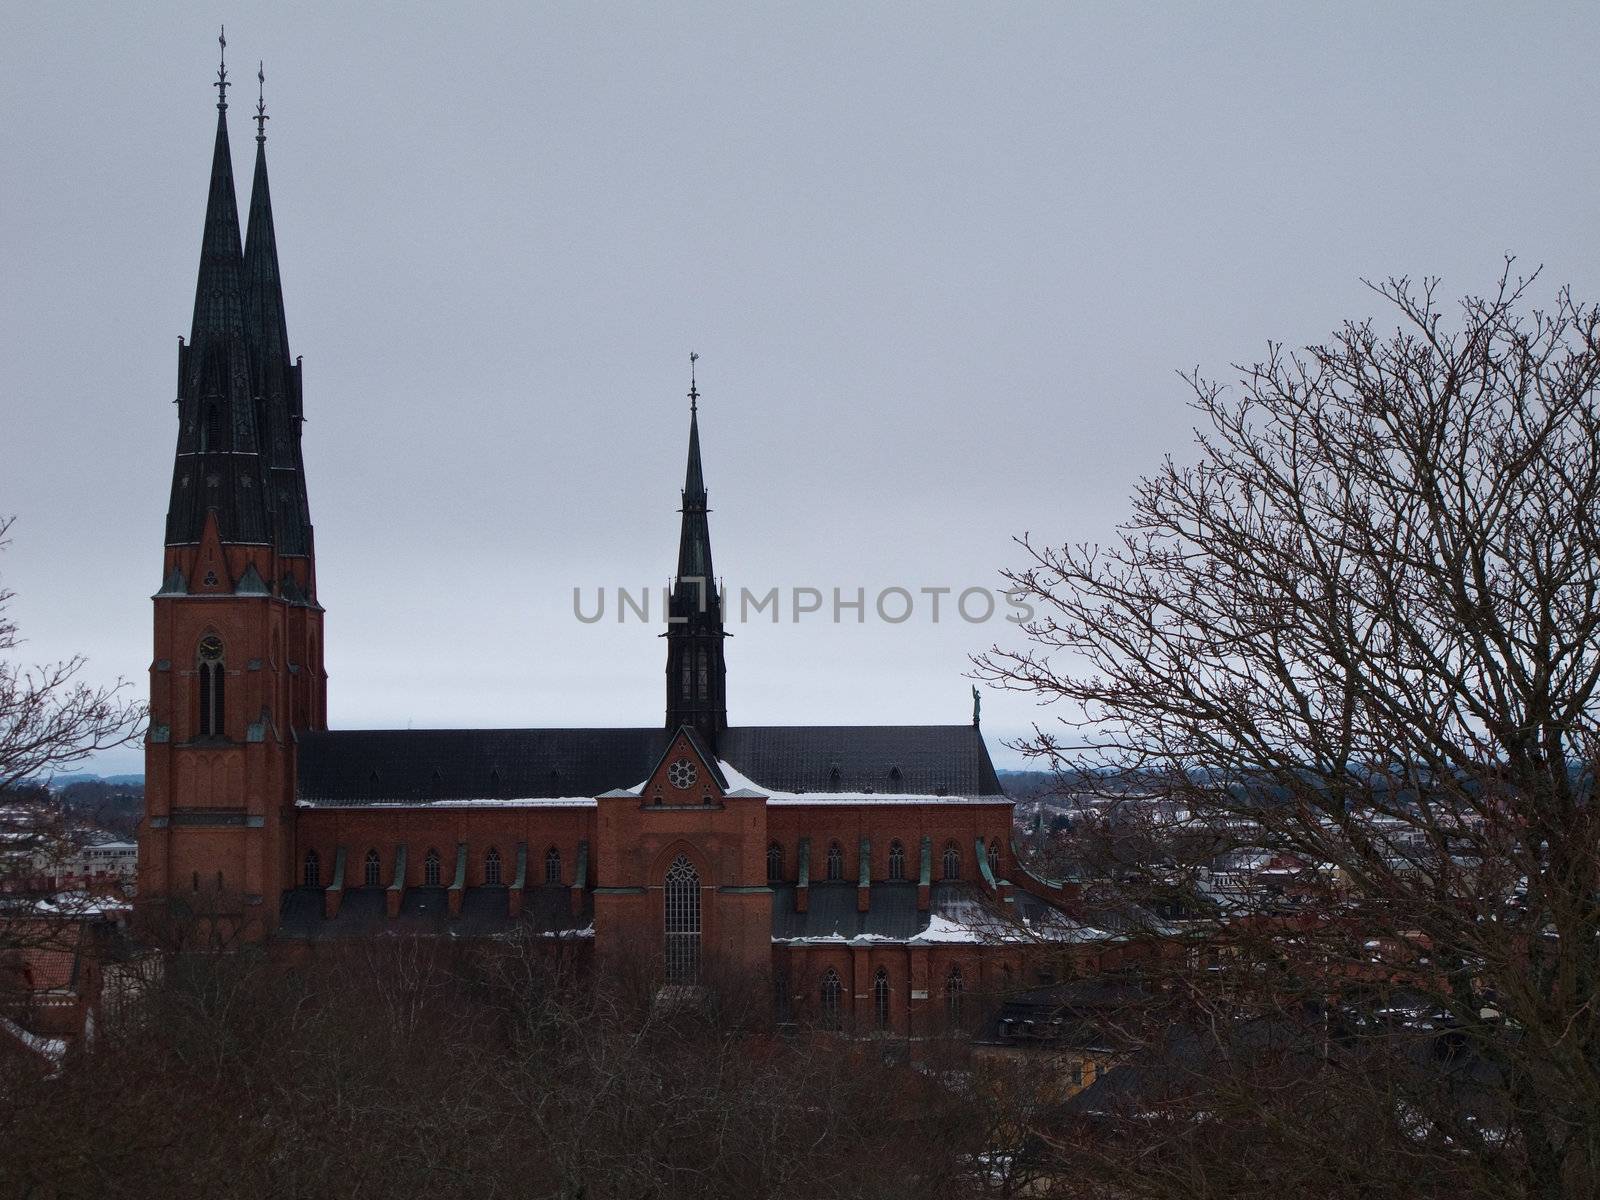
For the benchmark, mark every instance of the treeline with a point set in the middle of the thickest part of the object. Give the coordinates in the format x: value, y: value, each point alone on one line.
x: 405, y: 1068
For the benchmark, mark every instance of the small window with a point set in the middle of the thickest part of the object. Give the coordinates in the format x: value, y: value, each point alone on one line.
x: 952, y: 862
x: 897, y: 860
x: 994, y: 858
x: 835, y: 861
x: 552, y: 866
x: 372, y: 870
x: 880, y: 998
x: 491, y: 866
x: 830, y: 999
x: 952, y: 995
x: 313, y: 871
x: 774, y: 862
x: 430, y: 869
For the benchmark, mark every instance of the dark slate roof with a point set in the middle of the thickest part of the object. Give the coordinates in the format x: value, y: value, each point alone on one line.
x: 425, y: 912
x: 354, y: 767
x: 891, y: 909
x: 831, y: 910
x: 931, y: 759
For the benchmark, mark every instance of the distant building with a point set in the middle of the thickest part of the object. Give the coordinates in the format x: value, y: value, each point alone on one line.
x: 839, y: 858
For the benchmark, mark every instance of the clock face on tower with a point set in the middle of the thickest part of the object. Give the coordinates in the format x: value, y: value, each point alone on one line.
x: 681, y: 774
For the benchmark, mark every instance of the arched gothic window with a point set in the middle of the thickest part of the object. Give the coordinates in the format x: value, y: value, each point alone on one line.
x: 688, y: 677
x: 705, y: 674
x: 372, y: 869
x: 835, y: 861
x: 313, y: 869
x: 897, y: 860
x: 552, y: 866
x: 430, y: 869
x: 952, y: 862
x: 952, y: 995
x: 682, y: 904
x: 994, y: 858
x: 212, y: 686
x: 880, y: 998
x: 491, y: 866
x: 830, y: 999
x: 774, y: 862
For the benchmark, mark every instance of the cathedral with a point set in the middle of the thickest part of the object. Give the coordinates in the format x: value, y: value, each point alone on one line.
x: 868, y: 870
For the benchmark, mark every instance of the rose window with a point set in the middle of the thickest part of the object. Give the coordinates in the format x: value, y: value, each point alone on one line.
x: 681, y: 774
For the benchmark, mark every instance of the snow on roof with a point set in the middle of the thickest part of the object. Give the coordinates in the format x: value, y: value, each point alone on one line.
x: 737, y: 779
x: 53, y: 1050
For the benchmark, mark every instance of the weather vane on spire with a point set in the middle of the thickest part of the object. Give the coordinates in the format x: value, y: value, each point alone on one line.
x: 261, y: 102
x: 694, y: 392
x: 222, y: 69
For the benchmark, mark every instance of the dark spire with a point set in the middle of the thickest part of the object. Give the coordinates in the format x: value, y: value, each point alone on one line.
x: 217, y: 466
x: 694, y: 543
x: 275, y: 380
x: 696, y: 692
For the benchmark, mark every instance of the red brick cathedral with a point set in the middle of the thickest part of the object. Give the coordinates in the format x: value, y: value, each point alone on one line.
x: 854, y: 862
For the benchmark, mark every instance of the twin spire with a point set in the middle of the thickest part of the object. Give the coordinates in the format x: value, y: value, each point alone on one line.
x: 238, y: 390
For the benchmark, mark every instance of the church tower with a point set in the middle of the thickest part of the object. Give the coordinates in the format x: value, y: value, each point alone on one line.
x: 238, y: 632
x: 696, y: 672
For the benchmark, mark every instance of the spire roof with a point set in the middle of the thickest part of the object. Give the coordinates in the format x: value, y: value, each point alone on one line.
x: 263, y: 287
x: 217, y: 289
x: 694, y: 542
x: 275, y: 380
x: 218, y: 469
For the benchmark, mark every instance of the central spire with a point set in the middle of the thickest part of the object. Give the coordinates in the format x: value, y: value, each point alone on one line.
x: 695, y: 666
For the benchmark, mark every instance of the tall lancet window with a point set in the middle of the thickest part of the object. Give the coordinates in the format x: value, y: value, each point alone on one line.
x: 705, y: 674
x: 830, y: 999
x: 682, y: 921
x: 897, y: 860
x: 688, y: 676
x: 212, y: 686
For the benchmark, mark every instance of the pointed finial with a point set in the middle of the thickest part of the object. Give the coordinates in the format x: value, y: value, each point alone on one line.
x: 694, y: 392
x: 222, y: 69
x: 261, y: 102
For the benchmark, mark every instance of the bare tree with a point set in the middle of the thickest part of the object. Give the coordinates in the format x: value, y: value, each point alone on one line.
x: 50, y: 718
x: 1361, y: 636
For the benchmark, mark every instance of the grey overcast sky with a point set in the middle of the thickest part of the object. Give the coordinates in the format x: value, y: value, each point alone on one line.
x: 941, y: 262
